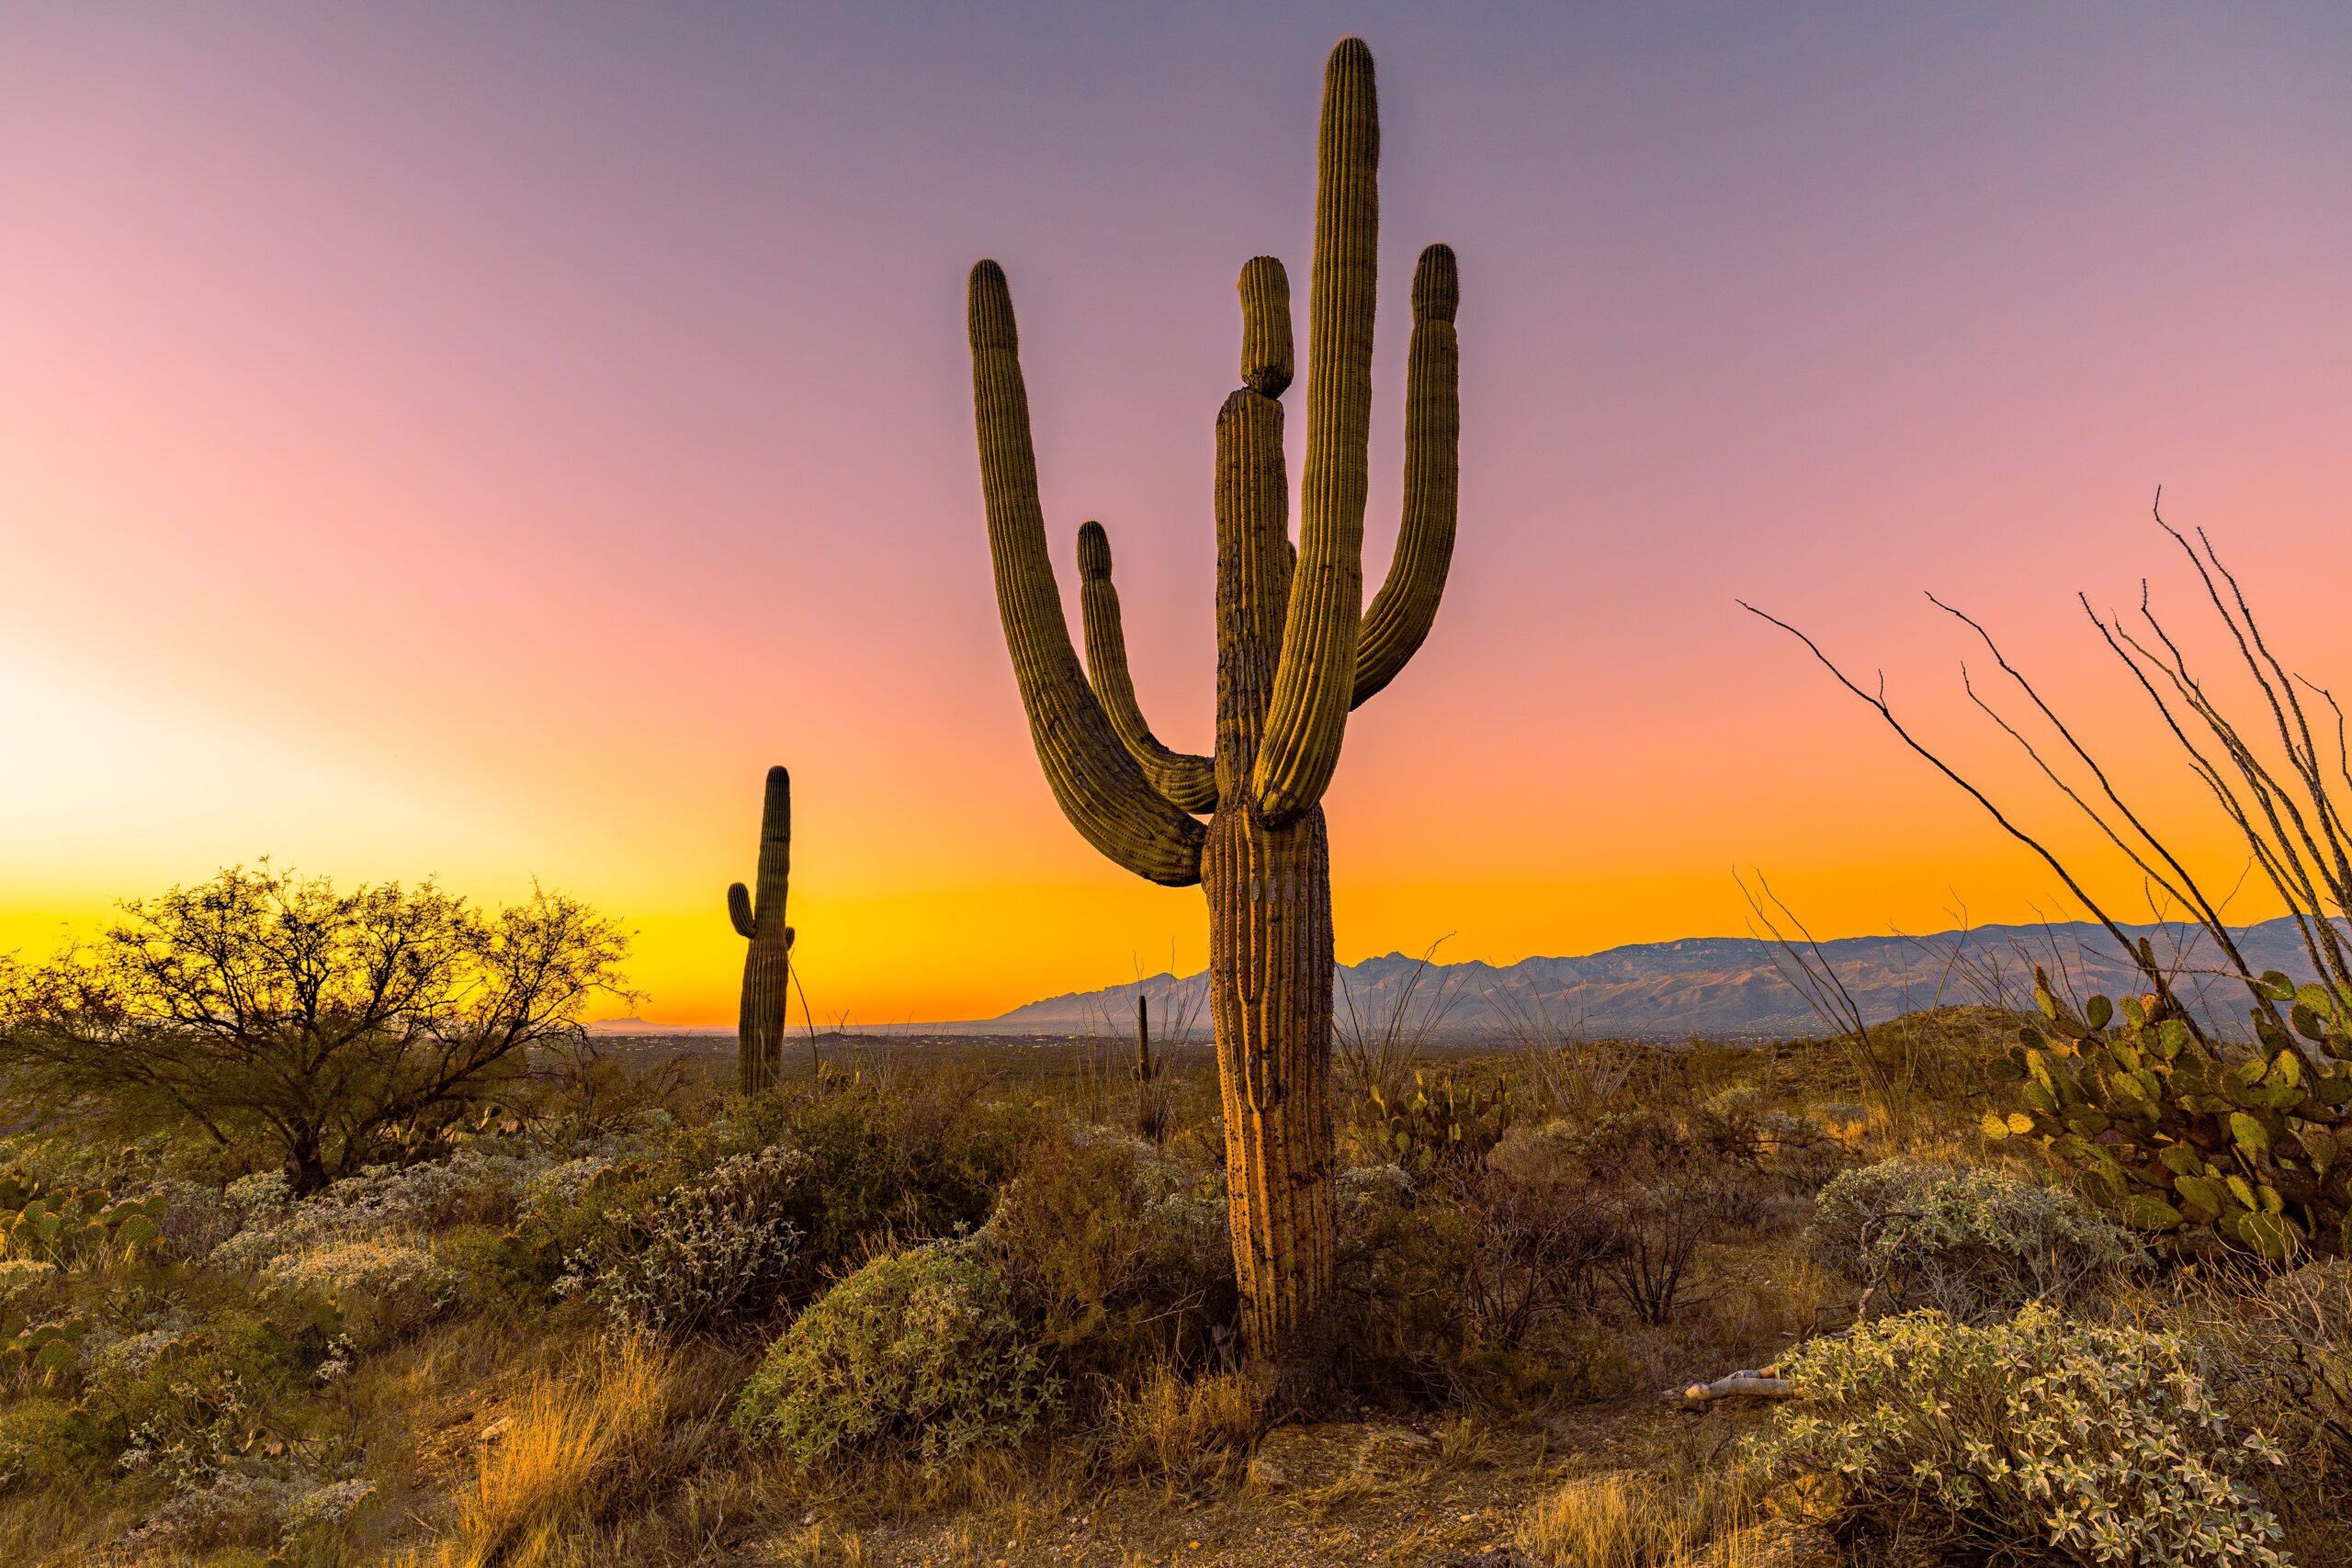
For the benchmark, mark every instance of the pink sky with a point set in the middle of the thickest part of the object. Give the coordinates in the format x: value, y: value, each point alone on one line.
x: 478, y: 443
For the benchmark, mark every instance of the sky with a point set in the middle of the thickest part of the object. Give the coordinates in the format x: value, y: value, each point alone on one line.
x: 476, y: 443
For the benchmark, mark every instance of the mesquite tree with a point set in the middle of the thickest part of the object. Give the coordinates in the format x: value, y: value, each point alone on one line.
x: 767, y: 965
x: 1296, y: 651
x: 277, y: 1012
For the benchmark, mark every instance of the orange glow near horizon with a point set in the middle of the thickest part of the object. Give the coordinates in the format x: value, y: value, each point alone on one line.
x: 466, y: 446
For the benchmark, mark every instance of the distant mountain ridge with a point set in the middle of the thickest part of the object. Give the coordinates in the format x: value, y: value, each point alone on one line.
x: 1726, y: 987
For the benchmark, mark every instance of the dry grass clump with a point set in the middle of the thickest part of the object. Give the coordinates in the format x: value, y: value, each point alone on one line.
x: 1195, y: 1435
x: 1633, y: 1519
x: 2281, y: 1349
x: 568, y: 1452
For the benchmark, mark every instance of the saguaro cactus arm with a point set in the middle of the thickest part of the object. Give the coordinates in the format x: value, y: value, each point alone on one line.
x: 738, y: 910
x: 1314, y: 684
x: 1402, y: 611
x: 1099, y: 787
x: 1187, y: 781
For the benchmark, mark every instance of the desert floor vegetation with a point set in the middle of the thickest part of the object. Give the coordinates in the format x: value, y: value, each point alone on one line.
x: 935, y: 1300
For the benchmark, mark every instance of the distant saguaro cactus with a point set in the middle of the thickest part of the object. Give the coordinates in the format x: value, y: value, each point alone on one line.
x: 767, y: 966
x: 1296, y: 650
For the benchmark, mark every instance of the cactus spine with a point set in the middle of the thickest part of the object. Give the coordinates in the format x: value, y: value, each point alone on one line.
x: 1296, y: 651
x: 767, y: 965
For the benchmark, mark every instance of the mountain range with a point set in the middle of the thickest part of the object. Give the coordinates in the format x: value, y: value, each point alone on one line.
x: 1719, y: 986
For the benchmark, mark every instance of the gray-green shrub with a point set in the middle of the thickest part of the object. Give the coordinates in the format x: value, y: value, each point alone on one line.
x: 917, y: 1353
x: 1975, y: 1244
x: 710, y: 1252
x: 2104, y: 1444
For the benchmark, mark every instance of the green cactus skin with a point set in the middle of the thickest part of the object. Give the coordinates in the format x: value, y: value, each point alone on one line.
x: 767, y: 965
x: 1442, y: 1122
x: 2188, y: 1143
x: 1187, y: 782
x: 1296, y: 650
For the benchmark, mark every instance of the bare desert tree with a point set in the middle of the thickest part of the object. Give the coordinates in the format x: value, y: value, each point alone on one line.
x: 274, y: 1011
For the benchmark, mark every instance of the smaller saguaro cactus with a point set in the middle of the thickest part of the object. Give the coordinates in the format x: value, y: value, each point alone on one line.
x: 1151, y: 1095
x: 767, y: 966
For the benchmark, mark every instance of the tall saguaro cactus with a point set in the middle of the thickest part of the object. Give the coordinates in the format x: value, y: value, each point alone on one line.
x: 1296, y: 651
x: 767, y: 966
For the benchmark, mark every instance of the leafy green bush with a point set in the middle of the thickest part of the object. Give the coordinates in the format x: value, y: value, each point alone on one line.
x: 42, y: 1443
x: 1117, y: 1257
x: 1974, y: 1244
x: 2179, y: 1137
x: 2102, y: 1444
x: 917, y: 1352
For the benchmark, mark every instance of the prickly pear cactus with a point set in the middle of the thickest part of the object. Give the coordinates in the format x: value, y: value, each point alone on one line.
x: 53, y: 1225
x: 48, y: 1347
x: 1442, y: 1122
x: 2177, y: 1139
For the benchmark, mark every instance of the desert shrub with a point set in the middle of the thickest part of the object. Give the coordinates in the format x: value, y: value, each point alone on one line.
x: 2104, y: 1444
x: 1795, y: 1149
x: 380, y: 1201
x: 380, y: 1289
x: 1192, y: 1435
x: 1461, y: 1287
x: 1400, y: 1266
x: 702, y: 1255
x: 176, y: 1407
x: 866, y: 1167
x: 1668, y: 1186
x: 923, y: 1158
x: 2282, y: 1351
x: 250, y: 1507
x: 1117, y: 1258
x: 1974, y: 1244
x: 917, y: 1352
x: 43, y: 1441
x: 2308, y: 1318
x: 1538, y: 1238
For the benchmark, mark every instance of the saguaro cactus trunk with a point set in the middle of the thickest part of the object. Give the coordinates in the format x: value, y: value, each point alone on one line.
x: 767, y: 965
x: 1297, y: 650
